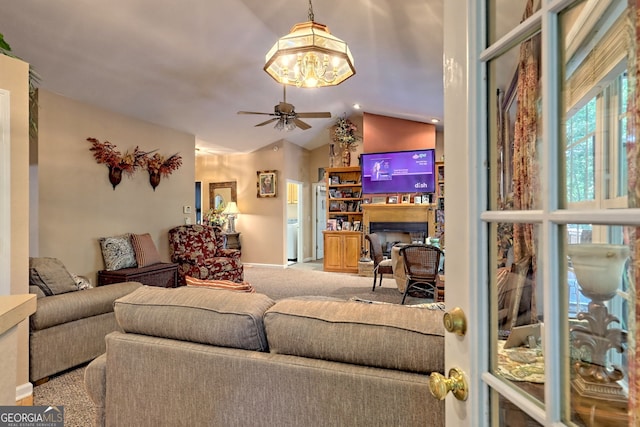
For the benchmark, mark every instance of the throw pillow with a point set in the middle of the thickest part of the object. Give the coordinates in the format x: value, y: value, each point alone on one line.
x: 117, y: 252
x: 145, y: 250
x: 220, y: 284
x: 82, y: 282
x: 51, y: 276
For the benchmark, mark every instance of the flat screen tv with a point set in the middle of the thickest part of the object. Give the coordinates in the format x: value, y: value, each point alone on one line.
x: 399, y: 172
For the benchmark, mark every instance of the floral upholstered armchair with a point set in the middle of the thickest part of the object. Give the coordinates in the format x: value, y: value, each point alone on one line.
x: 199, y: 252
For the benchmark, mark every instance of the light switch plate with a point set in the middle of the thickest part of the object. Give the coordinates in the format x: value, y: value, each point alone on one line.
x: 186, y: 209
x: 187, y: 220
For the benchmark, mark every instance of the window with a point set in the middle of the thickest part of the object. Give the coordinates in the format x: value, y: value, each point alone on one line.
x: 580, y: 153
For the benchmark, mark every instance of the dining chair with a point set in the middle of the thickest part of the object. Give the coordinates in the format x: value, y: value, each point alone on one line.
x: 421, y: 264
x: 380, y: 264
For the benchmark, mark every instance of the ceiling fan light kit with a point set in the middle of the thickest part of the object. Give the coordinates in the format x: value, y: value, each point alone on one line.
x: 309, y: 56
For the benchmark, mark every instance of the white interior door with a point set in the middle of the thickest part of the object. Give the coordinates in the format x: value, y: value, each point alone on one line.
x: 575, y: 99
x: 320, y: 220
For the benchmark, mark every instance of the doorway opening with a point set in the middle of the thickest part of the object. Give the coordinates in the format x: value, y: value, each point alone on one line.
x: 295, y: 223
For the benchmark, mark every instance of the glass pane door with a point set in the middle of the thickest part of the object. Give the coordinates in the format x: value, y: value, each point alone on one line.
x: 561, y: 211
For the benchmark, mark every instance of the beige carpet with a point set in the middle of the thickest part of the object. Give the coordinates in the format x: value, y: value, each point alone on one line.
x: 68, y: 390
x: 309, y: 279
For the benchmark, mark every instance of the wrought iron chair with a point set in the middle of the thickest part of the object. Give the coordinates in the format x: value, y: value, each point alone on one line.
x: 380, y: 264
x: 421, y: 264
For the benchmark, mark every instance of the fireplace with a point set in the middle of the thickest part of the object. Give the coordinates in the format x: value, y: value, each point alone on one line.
x: 399, y: 227
x: 398, y: 223
x: 398, y: 232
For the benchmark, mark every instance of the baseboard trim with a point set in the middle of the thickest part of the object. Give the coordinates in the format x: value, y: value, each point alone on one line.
x: 24, y: 394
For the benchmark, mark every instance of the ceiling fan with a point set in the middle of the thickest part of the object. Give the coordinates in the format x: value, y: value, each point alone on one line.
x: 286, y: 116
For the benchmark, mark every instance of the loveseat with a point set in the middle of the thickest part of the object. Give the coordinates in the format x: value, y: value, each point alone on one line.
x: 69, y: 325
x: 196, y: 356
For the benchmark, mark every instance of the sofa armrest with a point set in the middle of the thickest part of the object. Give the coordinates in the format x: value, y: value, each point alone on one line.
x: 63, y: 308
x: 229, y: 253
x: 95, y: 381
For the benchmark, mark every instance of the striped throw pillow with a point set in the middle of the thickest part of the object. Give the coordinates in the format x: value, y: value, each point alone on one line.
x: 145, y: 250
x: 220, y: 284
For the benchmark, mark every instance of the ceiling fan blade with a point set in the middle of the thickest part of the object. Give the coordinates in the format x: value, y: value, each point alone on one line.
x: 316, y: 115
x: 255, y: 112
x: 302, y: 125
x: 267, y: 122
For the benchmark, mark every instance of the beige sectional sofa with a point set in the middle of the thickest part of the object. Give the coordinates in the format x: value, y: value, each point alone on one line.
x: 68, y: 329
x: 195, y: 356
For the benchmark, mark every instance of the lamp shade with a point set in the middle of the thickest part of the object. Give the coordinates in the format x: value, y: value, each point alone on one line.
x: 231, y: 209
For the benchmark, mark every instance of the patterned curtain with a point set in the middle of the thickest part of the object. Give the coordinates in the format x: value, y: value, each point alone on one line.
x: 525, y: 165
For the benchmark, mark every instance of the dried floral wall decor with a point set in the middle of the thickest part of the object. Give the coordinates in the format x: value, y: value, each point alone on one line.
x: 158, y: 166
x: 106, y: 153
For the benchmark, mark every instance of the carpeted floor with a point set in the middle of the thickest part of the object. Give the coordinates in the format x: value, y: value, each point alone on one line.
x: 67, y: 389
x: 309, y: 279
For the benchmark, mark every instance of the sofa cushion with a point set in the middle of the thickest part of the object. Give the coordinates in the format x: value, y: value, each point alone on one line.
x: 384, y: 336
x: 117, y: 252
x: 220, y: 284
x: 145, y: 250
x: 203, y: 315
x: 58, y: 309
x: 51, y: 276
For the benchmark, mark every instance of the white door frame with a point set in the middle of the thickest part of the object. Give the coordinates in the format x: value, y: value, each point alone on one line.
x: 301, y: 222
x: 5, y: 193
x: 461, y: 206
x: 315, y: 221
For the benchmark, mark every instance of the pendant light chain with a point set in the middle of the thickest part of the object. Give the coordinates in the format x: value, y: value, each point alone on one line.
x: 310, y: 11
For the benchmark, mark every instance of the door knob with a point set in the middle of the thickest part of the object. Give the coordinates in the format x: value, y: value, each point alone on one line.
x: 439, y: 385
x: 455, y: 321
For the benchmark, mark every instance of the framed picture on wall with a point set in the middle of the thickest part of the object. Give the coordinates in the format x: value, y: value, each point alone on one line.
x: 392, y: 200
x: 267, y: 183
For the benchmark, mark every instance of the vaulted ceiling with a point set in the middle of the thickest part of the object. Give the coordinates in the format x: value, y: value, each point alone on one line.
x: 193, y: 65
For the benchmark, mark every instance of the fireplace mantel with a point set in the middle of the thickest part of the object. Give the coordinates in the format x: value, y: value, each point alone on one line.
x: 397, y: 213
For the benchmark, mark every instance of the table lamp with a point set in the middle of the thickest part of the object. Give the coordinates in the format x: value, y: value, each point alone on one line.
x: 231, y: 211
x: 599, y: 269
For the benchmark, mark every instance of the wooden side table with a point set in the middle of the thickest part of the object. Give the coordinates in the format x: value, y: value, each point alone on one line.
x: 440, y: 288
x: 232, y: 240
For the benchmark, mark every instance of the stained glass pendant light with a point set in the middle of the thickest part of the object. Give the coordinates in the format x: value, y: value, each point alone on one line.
x: 309, y: 56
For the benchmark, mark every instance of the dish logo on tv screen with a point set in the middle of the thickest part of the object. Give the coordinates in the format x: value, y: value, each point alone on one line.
x: 420, y: 185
